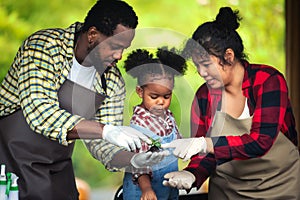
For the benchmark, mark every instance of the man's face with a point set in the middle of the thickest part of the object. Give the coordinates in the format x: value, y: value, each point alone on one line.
x: 107, y: 50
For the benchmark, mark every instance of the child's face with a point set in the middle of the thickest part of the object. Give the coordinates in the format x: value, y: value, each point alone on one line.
x: 157, y: 95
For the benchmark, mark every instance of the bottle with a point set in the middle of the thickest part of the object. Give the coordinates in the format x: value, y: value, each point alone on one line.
x: 8, y: 183
x: 14, y: 190
x: 3, y: 196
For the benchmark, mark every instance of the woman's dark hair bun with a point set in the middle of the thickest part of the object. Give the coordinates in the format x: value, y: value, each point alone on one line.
x: 227, y: 18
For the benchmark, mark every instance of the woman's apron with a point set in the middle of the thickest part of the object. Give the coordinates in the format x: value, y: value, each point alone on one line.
x: 44, y: 166
x: 132, y: 191
x: 276, y: 175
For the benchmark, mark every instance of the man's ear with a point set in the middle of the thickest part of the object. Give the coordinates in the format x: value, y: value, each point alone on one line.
x: 92, y: 34
x: 229, y: 56
x: 139, y: 91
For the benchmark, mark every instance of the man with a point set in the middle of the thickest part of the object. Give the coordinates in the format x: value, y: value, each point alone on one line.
x: 64, y: 85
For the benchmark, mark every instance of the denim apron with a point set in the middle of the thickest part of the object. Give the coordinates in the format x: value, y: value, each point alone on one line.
x: 275, y: 175
x: 132, y: 191
x: 44, y: 166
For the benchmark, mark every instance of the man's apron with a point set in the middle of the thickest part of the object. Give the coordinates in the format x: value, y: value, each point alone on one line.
x: 276, y: 175
x: 44, y: 166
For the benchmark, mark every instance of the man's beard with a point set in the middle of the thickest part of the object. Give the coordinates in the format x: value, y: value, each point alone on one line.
x: 93, y: 58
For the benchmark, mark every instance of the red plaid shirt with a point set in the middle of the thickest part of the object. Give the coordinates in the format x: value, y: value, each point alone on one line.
x: 266, y: 91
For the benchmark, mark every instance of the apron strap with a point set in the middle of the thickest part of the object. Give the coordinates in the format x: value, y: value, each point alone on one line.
x: 103, y: 80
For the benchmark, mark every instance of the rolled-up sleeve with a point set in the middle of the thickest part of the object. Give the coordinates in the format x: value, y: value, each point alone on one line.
x: 110, y: 112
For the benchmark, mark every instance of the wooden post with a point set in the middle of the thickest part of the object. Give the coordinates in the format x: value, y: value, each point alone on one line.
x: 292, y: 14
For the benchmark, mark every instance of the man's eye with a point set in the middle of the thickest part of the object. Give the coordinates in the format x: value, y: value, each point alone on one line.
x: 167, y: 96
x: 115, y: 47
x: 153, y: 96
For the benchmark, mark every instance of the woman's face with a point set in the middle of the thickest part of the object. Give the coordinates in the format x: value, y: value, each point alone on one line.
x: 157, y: 94
x: 210, y: 69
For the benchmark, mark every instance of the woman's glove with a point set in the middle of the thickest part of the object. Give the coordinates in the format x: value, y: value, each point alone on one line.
x: 144, y: 159
x: 180, y: 179
x: 186, y: 148
x: 124, y: 136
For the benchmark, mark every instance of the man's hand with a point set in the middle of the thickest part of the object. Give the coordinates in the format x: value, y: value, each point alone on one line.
x: 186, y: 148
x: 124, y: 136
x: 180, y: 179
x: 144, y: 159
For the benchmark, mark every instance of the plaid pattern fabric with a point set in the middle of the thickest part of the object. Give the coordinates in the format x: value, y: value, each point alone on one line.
x: 266, y: 91
x: 144, y: 118
x: 40, y: 67
x: 162, y: 127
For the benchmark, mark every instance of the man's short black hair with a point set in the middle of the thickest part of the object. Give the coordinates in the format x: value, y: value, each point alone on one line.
x: 105, y: 15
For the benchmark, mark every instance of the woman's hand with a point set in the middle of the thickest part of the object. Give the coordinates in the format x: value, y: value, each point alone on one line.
x: 187, y: 147
x: 180, y: 179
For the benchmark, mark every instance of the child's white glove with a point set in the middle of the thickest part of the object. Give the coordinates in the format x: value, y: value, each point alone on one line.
x: 187, y: 147
x: 180, y: 179
x: 144, y: 159
x: 124, y: 136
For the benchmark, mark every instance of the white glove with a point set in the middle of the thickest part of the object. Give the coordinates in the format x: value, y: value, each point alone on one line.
x: 124, y: 136
x: 186, y: 148
x: 180, y: 179
x: 144, y: 159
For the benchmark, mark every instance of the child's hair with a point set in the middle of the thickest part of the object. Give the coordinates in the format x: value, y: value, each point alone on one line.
x: 141, y: 63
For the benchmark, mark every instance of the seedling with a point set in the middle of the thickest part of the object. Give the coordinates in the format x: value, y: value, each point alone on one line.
x: 155, y: 146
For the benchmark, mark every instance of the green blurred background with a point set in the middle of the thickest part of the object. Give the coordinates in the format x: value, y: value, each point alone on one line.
x: 262, y: 29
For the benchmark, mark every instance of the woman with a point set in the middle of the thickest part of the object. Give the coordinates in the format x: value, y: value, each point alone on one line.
x: 246, y: 140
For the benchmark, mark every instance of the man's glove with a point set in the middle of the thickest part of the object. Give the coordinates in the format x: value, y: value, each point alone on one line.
x: 144, y: 159
x: 180, y: 179
x: 186, y: 148
x: 124, y: 136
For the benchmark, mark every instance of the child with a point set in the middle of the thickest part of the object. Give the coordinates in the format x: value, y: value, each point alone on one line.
x: 155, y: 82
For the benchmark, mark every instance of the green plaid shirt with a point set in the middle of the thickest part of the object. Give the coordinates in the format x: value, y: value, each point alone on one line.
x: 40, y: 67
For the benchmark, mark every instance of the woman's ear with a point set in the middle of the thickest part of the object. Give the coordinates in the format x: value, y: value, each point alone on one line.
x: 139, y: 91
x: 229, y: 56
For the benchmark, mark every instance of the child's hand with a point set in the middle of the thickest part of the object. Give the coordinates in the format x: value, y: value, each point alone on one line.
x: 148, y: 194
x: 146, y: 188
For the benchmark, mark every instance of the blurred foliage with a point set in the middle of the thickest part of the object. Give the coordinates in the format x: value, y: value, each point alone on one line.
x: 262, y: 30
